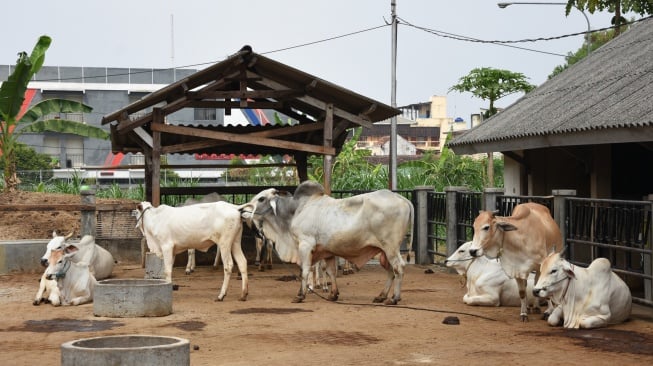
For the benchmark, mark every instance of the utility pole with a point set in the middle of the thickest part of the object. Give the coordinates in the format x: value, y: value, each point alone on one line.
x: 392, y: 169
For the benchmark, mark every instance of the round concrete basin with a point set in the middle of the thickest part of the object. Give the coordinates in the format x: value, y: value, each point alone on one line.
x: 126, y: 350
x: 131, y: 298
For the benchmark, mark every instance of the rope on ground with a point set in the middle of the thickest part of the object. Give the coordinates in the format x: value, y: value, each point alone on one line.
x: 405, y: 307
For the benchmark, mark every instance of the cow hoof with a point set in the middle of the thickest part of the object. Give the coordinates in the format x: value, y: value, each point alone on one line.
x: 333, y: 298
x: 36, y: 302
x: 297, y: 300
x: 243, y: 298
x: 545, y: 316
x: 189, y: 272
x: 523, y: 317
x: 378, y: 299
x: 390, y: 302
x: 219, y: 299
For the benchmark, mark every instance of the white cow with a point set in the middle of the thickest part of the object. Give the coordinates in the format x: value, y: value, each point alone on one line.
x: 487, y: 284
x: 172, y: 230
x: 74, y: 279
x: 310, y: 226
x: 211, y: 197
x: 589, y: 297
x: 521, y: 242
x: 99, y: 259
x: 48, y: 291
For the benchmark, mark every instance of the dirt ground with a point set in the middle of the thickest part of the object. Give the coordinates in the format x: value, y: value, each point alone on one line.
x: 269, y: 329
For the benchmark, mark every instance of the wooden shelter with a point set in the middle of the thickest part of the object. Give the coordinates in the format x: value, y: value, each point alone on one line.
x: 245, y: 80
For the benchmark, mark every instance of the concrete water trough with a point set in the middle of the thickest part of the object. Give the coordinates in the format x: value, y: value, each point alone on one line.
x: 131, y: 298
x: 126, y: 350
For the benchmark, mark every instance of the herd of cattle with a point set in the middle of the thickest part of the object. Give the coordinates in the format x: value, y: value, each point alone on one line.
x: 511, y: 261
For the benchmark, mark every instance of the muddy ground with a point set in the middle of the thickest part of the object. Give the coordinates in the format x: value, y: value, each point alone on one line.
x: 268, y: 329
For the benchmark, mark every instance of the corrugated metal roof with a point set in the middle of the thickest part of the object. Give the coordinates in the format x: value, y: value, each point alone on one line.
x: 604, y: 98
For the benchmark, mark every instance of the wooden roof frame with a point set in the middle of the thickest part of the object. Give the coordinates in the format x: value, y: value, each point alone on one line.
x: 244, y: 80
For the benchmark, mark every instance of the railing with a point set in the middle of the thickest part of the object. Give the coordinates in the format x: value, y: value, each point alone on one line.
x: 436, y: 222
x: 505, y: 204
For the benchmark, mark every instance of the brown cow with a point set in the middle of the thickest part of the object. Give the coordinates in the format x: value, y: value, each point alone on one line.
x: 521, y: 242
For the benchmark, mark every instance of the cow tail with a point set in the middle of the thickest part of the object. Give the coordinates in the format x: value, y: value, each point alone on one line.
x: 411, y: 224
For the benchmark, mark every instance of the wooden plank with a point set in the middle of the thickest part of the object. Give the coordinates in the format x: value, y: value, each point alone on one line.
x: 47, y: 207
x: 246, y: 139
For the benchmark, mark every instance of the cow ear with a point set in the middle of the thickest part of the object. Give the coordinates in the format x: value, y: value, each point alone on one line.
x: 70, y: 249
x: 569, y: 270
x: 246, y: 211
x: 54, y: 233
x: 505, y: 226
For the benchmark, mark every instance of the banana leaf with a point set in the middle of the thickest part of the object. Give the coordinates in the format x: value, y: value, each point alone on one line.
x: 66, y: 126
x: 45, y: 107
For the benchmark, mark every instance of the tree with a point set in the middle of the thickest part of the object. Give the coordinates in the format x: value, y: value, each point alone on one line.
x: 618, y: 7
x: 492, y: 84
x: 13, y: 124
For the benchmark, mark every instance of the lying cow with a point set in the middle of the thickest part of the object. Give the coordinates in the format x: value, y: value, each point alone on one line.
x: 520, y: 242
x: 99, y: 259
x: 487, y: 284
x: 74, y: 279
x: 172, y: 230
x: 310, y: 226
x: 589, y: 297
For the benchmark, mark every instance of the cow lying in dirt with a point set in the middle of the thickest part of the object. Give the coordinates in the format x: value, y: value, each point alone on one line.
x: 74, y: 279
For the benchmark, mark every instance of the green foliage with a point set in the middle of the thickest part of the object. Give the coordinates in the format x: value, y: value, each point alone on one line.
x: 492, y: 84
x: 28, y: 159
x: 12, y: 95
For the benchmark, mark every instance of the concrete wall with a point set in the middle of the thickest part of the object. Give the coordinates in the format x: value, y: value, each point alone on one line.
x: 22, y: 256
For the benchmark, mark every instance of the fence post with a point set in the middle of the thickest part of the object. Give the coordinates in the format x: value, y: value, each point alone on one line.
x: 490, y: 195
x: 88, y: 219
x: 560, y: 211
x: 648, y: 262
x: 420, y: 228
x: 452, y: 217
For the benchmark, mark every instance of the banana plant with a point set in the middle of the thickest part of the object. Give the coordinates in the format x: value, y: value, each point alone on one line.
x: 13, y: 124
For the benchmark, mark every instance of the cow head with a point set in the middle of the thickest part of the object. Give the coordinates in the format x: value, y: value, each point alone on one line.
x: 460, y: 259
x: 57, y: 266
x: 263, y: 203
x: 55, y: 243
x: 140, y: 210
x: 554, y: 270
x: 488, y: 232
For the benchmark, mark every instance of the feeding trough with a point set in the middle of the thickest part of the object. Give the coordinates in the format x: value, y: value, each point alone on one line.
x: 126, y: 350
x: 130, y: 298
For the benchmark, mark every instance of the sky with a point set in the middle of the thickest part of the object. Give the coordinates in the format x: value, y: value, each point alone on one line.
x: 355, y: 51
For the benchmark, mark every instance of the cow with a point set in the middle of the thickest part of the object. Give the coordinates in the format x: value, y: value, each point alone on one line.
x: 172, y: 230
x: 310, y: 225
x: 211, y: 197
x: 486, y: 282
x: 99, y: 259
x: 48, y: 291
x: 589, y: 297
x: 520, y: 242
x: 74, y: 279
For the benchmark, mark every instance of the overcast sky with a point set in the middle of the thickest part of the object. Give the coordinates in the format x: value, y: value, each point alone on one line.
x: 140, y: 33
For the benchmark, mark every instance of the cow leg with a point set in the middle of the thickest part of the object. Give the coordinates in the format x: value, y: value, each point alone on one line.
x: 268, y: 254
x: 556, y: 317
x: 394, y: 267
x: 303, y: 288
x: 168, y: 260
x: 521, y: 286
x: 216, y: 261
x: 481, y: 300
x: 190, y: 266
x: 241, y: 261
x: 227, y: 264
x: 332, y: 271
x: 259, y: 249
x: 39, y: 294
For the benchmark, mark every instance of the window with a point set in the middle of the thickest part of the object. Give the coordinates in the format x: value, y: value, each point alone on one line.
x: 206, y: 114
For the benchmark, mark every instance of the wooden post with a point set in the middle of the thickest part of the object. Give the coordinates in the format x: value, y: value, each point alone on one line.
x: 157, y: 118
x: 328, y: 142
x: 88, y: 219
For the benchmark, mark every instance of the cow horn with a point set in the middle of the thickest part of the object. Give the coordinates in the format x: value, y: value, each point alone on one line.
x: 69, y: 235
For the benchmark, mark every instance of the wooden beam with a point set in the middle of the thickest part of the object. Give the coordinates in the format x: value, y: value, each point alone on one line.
x: 126, y: 125
x: 233, y: 104
x: 247, y: 94
x: 245, y: 139
x: 145, y: 137
x: 276, y: 132
x: 328, y: 142
x: 156, y: 157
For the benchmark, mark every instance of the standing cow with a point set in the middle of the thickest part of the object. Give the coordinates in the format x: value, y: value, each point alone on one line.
x: 520, y: 242
x: 589, y: 297
x: 172, y: 230
x: 310, y: 225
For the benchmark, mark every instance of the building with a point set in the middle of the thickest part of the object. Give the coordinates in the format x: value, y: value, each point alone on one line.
x: 422, y: 127
x: 589, y: 129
